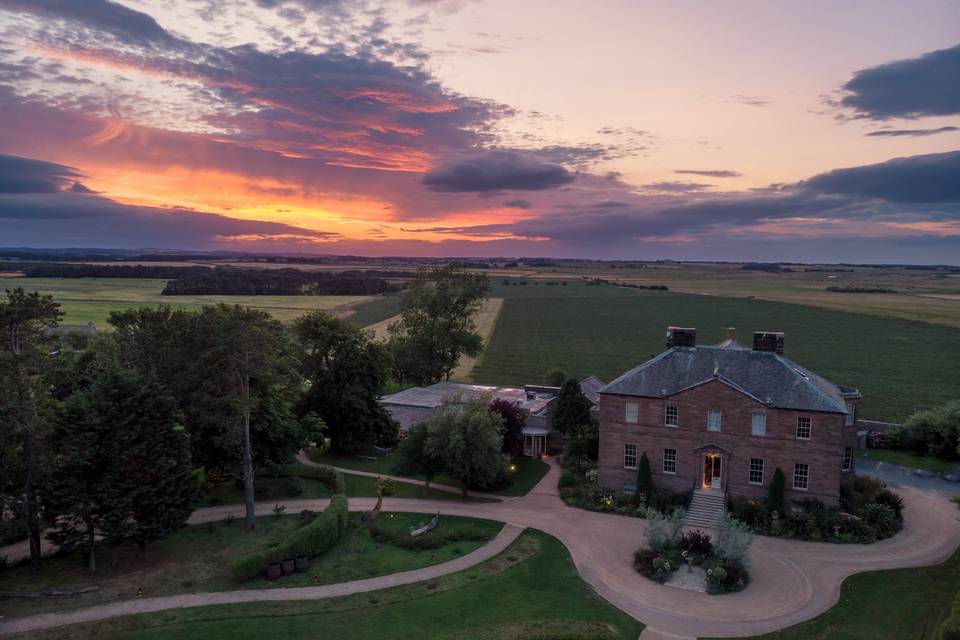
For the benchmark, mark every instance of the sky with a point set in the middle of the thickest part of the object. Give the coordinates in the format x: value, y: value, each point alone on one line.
x: 695, y: 130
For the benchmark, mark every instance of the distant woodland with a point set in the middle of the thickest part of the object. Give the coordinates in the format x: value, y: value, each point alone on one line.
x: 231, y: 281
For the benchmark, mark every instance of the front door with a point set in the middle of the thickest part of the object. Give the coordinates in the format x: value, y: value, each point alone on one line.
x: 712, y: 471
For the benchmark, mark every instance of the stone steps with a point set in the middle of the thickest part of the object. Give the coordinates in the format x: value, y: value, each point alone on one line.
x: 706, y: 509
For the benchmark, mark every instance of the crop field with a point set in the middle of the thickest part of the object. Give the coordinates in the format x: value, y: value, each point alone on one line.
x: 931, y: 295
x: 898, y: 365
x: 92, y: 299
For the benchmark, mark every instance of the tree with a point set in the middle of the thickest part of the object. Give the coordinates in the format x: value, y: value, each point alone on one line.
x: 466, y: 436
x: 417, y: 458
x: 436, y: 325
x: 513, y: 420
x: 645, y: 485
x: 245, y: 356
x: 775, y: 492
x: 937, y: 431
x: 23, y: 317
x: 555, y: 377
x: 123, y: 469
x: 347, y: 373
x: 573, y: 408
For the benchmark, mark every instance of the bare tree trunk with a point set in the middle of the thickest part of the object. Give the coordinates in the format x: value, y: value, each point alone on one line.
x: 92, y: 541
x: 30, y: 508
x: 248, y: 494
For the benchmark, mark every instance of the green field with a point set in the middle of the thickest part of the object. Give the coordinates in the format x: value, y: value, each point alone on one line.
x: 899, y: 365
x: 530, y: 591
x: 92, y: 299
x: 909, y: 459
x: 374, y: 310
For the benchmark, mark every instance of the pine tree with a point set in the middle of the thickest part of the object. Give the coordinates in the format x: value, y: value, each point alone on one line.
x: 775, y: 494
x: 644, y: 478
x: 573, y: 408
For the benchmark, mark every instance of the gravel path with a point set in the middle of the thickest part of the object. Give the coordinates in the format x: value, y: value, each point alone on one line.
x: 791, y: 581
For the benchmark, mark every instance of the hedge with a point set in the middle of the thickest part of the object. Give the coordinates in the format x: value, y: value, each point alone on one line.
x: 309, y: 540
x: 950, y: 630
x: 326, y: 475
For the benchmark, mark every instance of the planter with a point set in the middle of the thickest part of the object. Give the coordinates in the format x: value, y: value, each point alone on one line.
x: 274, y: 570
x: 301, y: 563
x: 289, y: 566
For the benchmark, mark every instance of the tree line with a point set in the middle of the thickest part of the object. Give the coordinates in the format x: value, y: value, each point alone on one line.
x: 234, y: 281
x: 109, y: 438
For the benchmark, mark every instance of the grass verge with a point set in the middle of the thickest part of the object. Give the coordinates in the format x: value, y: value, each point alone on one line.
x: 909, y: 459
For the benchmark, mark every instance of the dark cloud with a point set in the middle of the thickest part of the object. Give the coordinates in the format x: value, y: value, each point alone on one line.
x: 25, y: 175
x: 710, y: 173
x: 76, y: 219
x: 911, y: 133
x: 924, y: 86
x: 125, y: 24
x: 497, y: 171
x: 676, y: 187
x: 517, y: 203
x: 926, y: 178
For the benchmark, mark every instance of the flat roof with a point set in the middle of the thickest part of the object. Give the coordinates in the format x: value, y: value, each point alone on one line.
x: 534, y: 401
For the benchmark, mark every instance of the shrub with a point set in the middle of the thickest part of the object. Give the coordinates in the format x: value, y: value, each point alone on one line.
x: 292, y: 487
x: 309, y: 540
x: 733, y: 541
x: 882, y: 518
x: 892, y: 500
x: 696, y: 542
x: 326, y: 475
x: 644, y: 477
x: 775, y: 493
x: 753, y: 512
x: 663, y: 531
x: 568, y: 478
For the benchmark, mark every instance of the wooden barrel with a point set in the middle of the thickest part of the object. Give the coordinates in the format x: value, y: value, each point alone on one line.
x: 274, y: 570
x: 289, y: 566
x: 301, y: 564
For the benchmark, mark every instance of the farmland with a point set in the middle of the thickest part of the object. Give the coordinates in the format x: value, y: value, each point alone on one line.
x: 92, y: 299
x: 899, y: 365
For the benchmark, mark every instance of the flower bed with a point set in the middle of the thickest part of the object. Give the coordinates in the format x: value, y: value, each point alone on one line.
x: 867, y: 513
x: 579, y: 488
x: 724, y: 563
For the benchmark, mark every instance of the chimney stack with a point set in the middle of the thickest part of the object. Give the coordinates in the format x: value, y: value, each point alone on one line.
x: 732, y: 333
x: 768, y: 341
x: 681, y: 337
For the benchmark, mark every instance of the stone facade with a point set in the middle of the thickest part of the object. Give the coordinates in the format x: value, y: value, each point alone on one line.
x: 734, y: 443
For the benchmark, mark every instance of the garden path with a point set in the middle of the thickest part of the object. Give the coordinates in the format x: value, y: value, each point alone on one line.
x: 791, y: 581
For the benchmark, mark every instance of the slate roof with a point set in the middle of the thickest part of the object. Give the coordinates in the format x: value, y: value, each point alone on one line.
x: 433, y: 396
x: 590, y: 386
x: 766, y: 376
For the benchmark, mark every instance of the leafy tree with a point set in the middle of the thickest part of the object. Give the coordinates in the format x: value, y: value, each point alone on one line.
x: 644, y: 477
x: 245, y: 357
x: 123, y: 465
x: 23, y: 317
x: 417, y: 458
x: 513, y: 420
x: 436, y: 325
x: 573, y: 408
x: 937, y: 431
x: 776, y: 491
x: 347, y: 372
x: 466, y: 437
x: 583, y: 443
x: 555, y: 377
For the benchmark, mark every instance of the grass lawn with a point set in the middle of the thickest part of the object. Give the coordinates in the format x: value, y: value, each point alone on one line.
x: 529, y: 471
x: 898, y: 365
x: 197, y: 558
x: 267, y: 489
x: 910, y: 459
x: 92, y: 299
x: 885, y: 605
x: 530, y: 591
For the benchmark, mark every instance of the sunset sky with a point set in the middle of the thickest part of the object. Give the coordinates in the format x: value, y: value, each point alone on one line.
x: 752, y: 130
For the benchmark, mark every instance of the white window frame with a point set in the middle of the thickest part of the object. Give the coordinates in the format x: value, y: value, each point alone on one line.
x: 714, y: 420
x: 762, y: 431
x: 809, y: 427
x: 671, y: 459
x: 631, y: 413
x: 805, y: 476
x: 755, y: 468
x: 666, y: 415
x: 846, y: 464
x: 627, y: 455
x: 851, y: 416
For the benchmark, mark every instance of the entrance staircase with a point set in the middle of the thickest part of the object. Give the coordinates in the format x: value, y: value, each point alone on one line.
x: 706, y: 508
